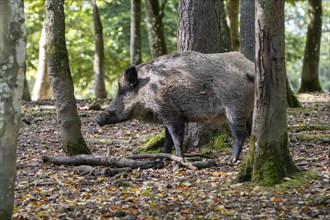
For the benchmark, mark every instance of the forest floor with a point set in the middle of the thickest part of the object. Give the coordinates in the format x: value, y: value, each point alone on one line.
x: 46, y: 191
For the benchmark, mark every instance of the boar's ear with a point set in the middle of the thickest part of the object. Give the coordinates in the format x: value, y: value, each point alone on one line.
x: 131, y: 76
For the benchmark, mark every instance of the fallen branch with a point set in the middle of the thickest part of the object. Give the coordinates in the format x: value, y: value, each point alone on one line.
x: 193, y: 165
x: 99, y: 160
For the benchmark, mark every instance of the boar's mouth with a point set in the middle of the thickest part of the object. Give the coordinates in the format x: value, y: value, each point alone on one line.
x: 108, y: 117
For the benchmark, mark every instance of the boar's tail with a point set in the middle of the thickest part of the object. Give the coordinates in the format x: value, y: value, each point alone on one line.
x: 249, y: 77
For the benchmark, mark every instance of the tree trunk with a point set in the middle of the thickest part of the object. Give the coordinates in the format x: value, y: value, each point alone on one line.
x: 135, y: 40
x: 99, y: 85
x: 202, y: 27
x: 12, y: 62
x: 41, y: 89
x: 232, y: 9
x: 310, y: 71
x: 269, y: 159
x: 247, y: 29
x: 26, y: 91
x: 247, y: 34
x: 61, y: 80
x: 155, y: 28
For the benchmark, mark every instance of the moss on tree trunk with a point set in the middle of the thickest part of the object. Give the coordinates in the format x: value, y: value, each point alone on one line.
x: 75, y: 148
x: 267, y: 163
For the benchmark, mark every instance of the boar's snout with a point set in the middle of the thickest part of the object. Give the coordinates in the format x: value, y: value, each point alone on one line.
x: 103, y: 119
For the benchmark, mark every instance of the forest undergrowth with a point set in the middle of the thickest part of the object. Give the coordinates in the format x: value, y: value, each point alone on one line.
x: 46, y: 191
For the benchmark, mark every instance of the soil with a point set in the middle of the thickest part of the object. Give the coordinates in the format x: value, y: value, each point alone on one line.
x: 46, y: 191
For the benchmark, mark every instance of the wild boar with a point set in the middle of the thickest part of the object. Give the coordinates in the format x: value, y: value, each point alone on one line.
x: 187, y: 87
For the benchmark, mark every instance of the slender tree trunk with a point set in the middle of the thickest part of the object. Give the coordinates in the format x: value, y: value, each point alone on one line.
x: 269, y: 159
x: 232, y: 9
x: 41, y: 89
x: 247, y: 34
x: 12, y: 62
x: 310, y: 72
x: 135, y: 40
x: 202, y: 27
x: 155, y: 28
x: 26, y: 91
x: 247, y: 29
x: 61, y: 80
x: 99, y: 85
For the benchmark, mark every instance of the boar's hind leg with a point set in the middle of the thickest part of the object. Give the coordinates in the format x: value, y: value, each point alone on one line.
x: 176, y: 130
x: 168, y: 142
x: 239, y: 134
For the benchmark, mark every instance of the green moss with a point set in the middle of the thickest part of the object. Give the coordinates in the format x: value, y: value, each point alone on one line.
x: 80, y: 147
x: 153, y: 144
x: 220, y: 141
x: 306, y: 127
x: 309, y: 137
x: 270, y: 165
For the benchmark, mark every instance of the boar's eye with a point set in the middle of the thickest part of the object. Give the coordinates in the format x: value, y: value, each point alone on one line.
x: 131, y: 76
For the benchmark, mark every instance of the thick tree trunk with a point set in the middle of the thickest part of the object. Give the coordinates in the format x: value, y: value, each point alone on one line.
x: 232, y: 9
x: 155, y: 28
x: 247, y: 34
x: 41, y: 89
x: 12, y: 62
x: 310, y: 72
x: 99, y: 85
x: 269, y: 159
x: 61, y: 80
x: 135, y: 40
x: 202, y: 27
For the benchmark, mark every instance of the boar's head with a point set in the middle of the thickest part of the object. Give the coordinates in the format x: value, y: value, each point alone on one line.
x: 121, y: 107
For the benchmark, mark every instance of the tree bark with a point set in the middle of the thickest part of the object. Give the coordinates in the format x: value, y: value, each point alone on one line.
x: 135, y: 40
x: 41, y: 89
x: 247, y: 29
x: 202, y: 27
x: 154, y: 17
x: 269, y: 159
x: 232, y: 9
x: 61, y: 80
x: 99, y: 84
x: 12, y: 64
x: 26, y: 90
x: 247, y: 37
x: 310, y: 72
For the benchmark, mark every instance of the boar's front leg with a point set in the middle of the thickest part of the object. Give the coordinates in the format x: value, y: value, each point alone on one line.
x: 176, y: 130
x: 239, y: 134
x: 168, y: 142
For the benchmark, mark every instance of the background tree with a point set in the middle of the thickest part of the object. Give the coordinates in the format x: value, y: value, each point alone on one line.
x: 247, y: 29
x: 41, y: 89
x: 61, y: 81
x: 12, y: 56
x: 269, y: 159
x: 99, y: 85
x: 26, y: 90
x: 310, y: 71
x: 136, y: 38
x: 154, y: 17
x: 202, y: 27
x: 232, y: 9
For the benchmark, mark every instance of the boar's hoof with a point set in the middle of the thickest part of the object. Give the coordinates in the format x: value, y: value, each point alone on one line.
x: 233, y: 159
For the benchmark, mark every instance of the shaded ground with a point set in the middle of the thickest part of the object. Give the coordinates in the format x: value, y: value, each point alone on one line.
x: 45, y: 191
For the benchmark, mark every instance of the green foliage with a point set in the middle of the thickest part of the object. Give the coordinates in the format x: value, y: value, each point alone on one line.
x: 115, y: 17
x: 295, y: 39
